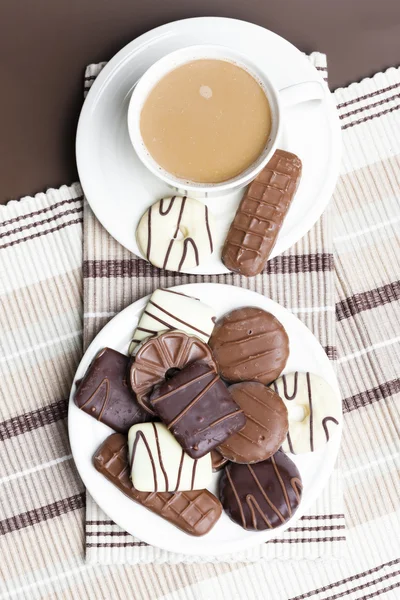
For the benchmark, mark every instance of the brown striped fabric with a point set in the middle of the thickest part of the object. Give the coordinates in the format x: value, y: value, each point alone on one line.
x: 42, y: 514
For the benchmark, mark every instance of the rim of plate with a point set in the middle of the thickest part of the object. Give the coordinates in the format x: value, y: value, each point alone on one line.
x: 117, y: 62
x: 228, y: 546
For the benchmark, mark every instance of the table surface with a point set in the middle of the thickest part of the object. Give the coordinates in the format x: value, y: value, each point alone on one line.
x: 45, y: 46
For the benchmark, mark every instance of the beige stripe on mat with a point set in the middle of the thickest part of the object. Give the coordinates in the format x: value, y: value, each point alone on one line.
x: 42, y: 546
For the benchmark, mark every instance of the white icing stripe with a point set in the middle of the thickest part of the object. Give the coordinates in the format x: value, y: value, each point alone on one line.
x: 368, y: 349
x: 311, y: 309
x: 36, y: 347
x: 356, y: 234
x: 58, y: 576
x: 369, y: 465
x: 95, y: 315
x: 41, y: 467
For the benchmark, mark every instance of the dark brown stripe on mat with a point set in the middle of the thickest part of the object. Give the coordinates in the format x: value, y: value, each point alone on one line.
x: 367, y: 584
x: 346, y: 580
x: 371, y: 95
x: 320, y: 517
x: 369, y: 106
x: 300, y: 263
x: 331, y: 352
x: 384, y: 390
x: 42, y: 222
x: 380, y: 592
x: 116, y: 545
x: 340, y: 538
x: 367, y: 300
x: 109, y: 533
x: 33, y: 420
x: 41, y: 233
x: 317, y: 528
x: 42, y: 210
x: 100, y: 523
x: 370, y: 117
x: 90, y: 77
x: 43, y: 513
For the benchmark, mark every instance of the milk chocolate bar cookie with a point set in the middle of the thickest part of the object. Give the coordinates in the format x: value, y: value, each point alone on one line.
x: 159, y: 464
x: 198, y: 409
x: 168, y: 309
x: 104, y: 392
x: 261, y: 496
x: 194, y: 512
x: 314, y: 411
x: 255, y: 228
x: 250, y: 344
x: 159, y: 356
x: 266, y: 424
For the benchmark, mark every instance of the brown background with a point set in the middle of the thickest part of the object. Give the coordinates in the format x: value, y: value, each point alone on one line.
x: 46, y: 44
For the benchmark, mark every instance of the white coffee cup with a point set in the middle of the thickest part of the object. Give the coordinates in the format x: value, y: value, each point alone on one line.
x: 278, y: 99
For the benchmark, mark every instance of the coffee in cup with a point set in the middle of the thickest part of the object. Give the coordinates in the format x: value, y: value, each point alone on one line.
x: 206, y: 121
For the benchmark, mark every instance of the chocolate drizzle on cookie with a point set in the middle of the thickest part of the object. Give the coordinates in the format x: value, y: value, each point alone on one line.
x: 176, y: 233
x: 263, y: 495
x: 266, y: 424
x: 324, y: 424
x: 104, y: 394
x: 250, y: 344
x: 169, y: 350
x: 316, y: 398
x: 177, y: 226
x: 197, y: 408
x: 154, y: 461
x: 169, y: 207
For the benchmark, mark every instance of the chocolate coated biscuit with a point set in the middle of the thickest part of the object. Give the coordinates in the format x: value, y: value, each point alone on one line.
x: 250, y: 344
x: 104, y: 393
x: 266, y: 424
x: 158, y: 355
x: 198, y: 409
x: 255, y: 228
x: 194, y: 512
x: 261, y: 496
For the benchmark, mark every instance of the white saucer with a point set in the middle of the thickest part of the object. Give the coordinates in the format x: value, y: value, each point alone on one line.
x: 119, y: 188
x: 86, y: 434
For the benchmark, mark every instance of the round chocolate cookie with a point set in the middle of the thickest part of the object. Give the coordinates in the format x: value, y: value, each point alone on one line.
x: 250, y: 344
x: 261, y: 496
x: 266, y: 424
x: 169, y: 351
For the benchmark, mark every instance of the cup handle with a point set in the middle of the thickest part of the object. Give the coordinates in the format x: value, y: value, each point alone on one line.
x: 301, y: 92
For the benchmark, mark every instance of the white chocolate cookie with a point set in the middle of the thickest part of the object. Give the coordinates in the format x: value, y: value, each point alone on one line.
x: 176, y: 233
x: 168, y: 309
x: 158, y: 463
x: 314, y: 409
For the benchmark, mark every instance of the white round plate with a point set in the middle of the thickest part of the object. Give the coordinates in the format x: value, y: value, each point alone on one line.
x: 120, y: 189
x: 86, y: 434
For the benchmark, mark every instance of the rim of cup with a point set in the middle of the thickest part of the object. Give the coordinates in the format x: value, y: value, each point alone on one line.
x: 167, y: 64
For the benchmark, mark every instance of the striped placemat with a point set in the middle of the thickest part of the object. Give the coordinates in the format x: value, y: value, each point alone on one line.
x: 301, y: 279
x: 42, y: 500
